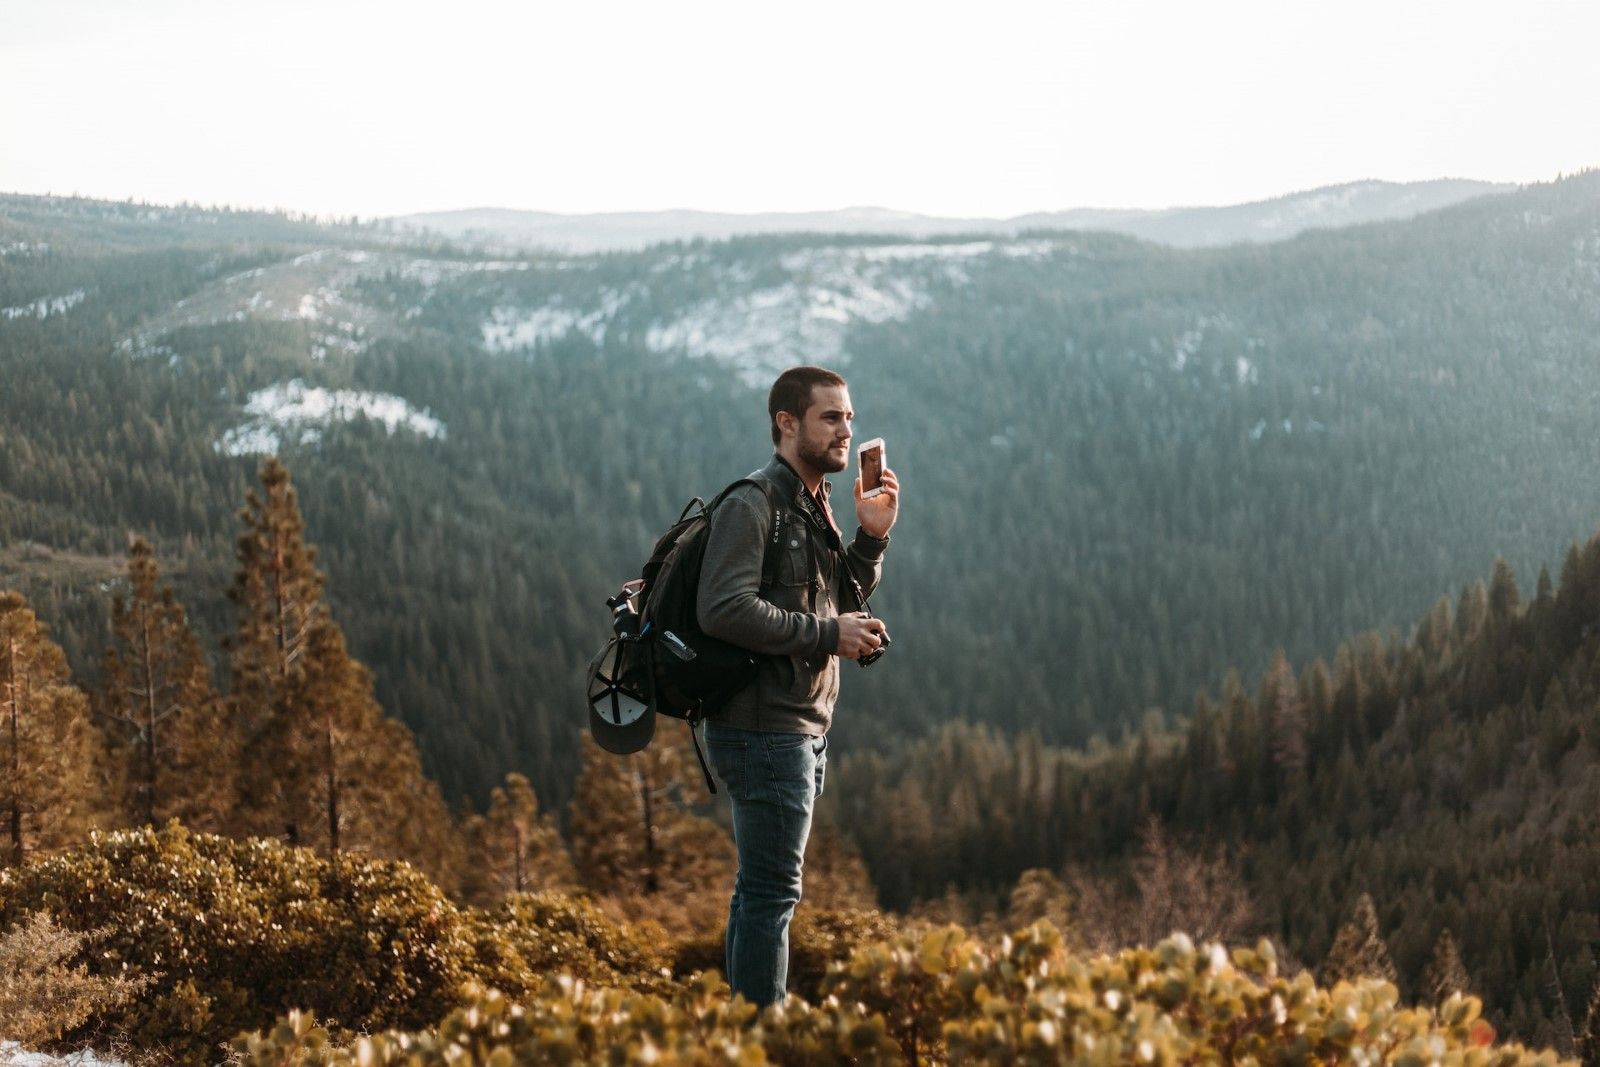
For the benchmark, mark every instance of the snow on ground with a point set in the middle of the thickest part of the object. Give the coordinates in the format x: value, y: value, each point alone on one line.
x: 297, y: 413
x: 804, y: 319
x: 510, y: 328
x: 1186, y: 346
x: 140, y: 348
x: 430, y: 272
x: 14, y: 1055
x: 23, y: 248
x: 1189, y: 343
x: 45, y: 306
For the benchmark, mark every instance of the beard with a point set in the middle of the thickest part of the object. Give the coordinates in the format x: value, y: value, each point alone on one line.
x: 824, y: 459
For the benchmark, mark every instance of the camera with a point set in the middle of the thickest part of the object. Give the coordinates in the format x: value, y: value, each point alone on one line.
x: 876, y: 654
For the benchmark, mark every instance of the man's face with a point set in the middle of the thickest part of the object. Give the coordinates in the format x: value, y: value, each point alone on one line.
x: 824, y: 433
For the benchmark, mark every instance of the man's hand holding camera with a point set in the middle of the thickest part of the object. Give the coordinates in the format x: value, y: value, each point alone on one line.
x: 861, y: 635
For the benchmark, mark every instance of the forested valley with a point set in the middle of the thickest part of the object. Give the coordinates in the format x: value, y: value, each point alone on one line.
x: 1128, y: 469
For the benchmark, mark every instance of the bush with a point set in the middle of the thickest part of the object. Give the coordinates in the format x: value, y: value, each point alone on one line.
x: 818, y: 939
x: 233, y: 933
x: 570, y: 1022
x: 943, y: 997
x: 42, y: 993
x: 531, y: 936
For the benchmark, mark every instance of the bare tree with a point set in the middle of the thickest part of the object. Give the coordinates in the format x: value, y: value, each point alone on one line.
x: 1172, y: 890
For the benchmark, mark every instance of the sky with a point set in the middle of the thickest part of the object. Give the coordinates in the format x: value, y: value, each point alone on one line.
x: 992, y: 109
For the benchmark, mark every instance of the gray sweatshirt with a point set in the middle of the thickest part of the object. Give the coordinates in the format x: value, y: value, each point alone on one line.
x: 793, y: 622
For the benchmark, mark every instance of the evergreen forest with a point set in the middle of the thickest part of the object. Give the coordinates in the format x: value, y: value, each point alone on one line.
x: 1153, y: 496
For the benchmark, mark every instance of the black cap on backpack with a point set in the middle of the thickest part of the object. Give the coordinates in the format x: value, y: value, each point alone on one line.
x: 620, y: 718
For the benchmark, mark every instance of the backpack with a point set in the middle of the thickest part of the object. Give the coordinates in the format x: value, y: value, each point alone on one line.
x: 658, y: 659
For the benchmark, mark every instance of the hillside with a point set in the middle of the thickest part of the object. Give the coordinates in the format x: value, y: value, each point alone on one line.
x: 1126, y: 466
x: 1183, y: 227
x: 1454, y: 777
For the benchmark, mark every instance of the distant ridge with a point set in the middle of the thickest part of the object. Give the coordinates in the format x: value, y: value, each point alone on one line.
x: 1277, y: 219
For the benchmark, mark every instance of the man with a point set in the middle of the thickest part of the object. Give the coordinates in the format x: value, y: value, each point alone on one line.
x: 769, y: 743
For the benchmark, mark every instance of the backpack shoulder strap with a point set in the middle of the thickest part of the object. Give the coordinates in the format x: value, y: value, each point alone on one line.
x: 769, y: 552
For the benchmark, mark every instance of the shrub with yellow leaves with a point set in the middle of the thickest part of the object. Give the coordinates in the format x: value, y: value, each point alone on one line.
x: 942, y: 997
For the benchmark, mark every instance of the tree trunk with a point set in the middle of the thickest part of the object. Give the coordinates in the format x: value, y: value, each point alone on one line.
x: 150, y: 724
x: 517, y: 839
x: 333, y: 783
x: 13, y: 706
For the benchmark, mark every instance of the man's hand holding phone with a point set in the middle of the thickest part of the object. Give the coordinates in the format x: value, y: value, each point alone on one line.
x: 877, y: 490
x: 860, y: 634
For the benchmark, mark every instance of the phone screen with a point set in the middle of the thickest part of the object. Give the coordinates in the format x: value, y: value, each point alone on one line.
x: 871, y: 460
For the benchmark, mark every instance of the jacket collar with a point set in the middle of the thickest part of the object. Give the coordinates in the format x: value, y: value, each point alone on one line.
x: 783, y: 474
x: 794, y: 490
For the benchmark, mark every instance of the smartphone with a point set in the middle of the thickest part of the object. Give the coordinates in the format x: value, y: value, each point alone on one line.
x: 870, y: 464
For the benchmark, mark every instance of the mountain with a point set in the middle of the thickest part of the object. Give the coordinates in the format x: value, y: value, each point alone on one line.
x: 1189, y: 227
x: 1127, y: 466
x: 1277, y: 219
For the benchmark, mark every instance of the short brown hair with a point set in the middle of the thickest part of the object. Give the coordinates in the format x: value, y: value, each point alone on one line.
x: 792, y: 393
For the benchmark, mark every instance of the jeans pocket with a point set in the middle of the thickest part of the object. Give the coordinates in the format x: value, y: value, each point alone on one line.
x: 788, y: 742
x: 784, y: 771
x: 730, y: 759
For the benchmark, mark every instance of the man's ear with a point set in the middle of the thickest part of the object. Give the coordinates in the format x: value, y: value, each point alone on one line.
x: 788, y: 425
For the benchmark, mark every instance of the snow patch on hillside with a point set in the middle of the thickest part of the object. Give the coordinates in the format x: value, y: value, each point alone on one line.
x: 831, y: 289
x: 509, y: 328
x: 45, y: 306
x: 431, y: 272
x: 297, y: 413
x: 142, y: 348
x: 1218, y: 328
x: 804, y: 318
x: 24, y: 248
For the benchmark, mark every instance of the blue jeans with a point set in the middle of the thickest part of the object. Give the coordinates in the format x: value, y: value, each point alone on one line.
x: 773, y: 780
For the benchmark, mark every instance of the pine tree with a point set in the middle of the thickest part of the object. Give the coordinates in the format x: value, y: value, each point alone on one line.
x: 1472, y: 611
x: 164, y: 718
x: 835, y: 875
x: 350, y: 777
x: 1505, y: 599
x: 1282, y: 700
x: 1588, y: 1039
x: 1039, y: 895
x: 1445, y: 974
x: 1566, y: 1038
x: 1358, y: 950
x: 47, y: 743
x: 278, y: 592
x: 512, y: 848
x: 320, y: 762
x: 634, y: 838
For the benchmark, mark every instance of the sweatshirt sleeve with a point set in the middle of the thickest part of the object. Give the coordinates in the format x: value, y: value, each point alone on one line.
x: 729, y: 604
